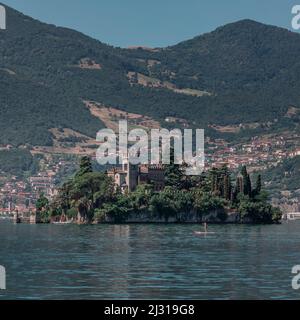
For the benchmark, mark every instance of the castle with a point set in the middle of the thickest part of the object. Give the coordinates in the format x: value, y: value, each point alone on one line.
x: 129, y: 176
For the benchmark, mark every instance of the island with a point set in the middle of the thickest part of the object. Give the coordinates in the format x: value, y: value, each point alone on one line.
x: 161, y: 194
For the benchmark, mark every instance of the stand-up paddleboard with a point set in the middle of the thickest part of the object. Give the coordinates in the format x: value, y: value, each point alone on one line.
x: 62, y: 223
x: 199, y: 233
x: 205, y: 232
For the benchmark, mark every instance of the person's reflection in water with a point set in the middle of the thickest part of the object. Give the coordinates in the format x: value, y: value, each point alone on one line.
x: 205, y: 227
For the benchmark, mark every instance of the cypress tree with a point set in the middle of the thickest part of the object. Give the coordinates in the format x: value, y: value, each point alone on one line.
x: 258, y: 186
x: 85, y: 166
x: 173, y: 173
x: 227, y: 187
x: 249, y: 186
x: 247, y: 182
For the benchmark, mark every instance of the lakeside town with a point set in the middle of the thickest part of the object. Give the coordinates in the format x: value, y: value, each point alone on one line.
x: 19, y: 194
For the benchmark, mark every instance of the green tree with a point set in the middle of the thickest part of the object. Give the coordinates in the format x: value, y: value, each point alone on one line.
x: 141, y: 197
x: 258, y: 186
x: 42, y: 208
x: 247, y: 182
x: 174, y: 176
x: 163, y: 203
x: 89, y: 191
x: 227, y: 187
x: 42, y: 203
x: 62, y: 200
x: 85, y: 166
x: 204, y: 202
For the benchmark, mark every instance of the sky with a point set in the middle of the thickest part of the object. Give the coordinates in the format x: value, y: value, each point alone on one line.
x: 152, y: 23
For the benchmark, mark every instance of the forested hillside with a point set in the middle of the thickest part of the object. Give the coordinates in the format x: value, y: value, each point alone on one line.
x: 285, y: 176
x: 17, y: 162
x: 241, y: 73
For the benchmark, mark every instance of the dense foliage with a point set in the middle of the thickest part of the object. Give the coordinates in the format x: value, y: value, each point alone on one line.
x: 17, y: 162
x: 285, y: 176
x: 92, y: 196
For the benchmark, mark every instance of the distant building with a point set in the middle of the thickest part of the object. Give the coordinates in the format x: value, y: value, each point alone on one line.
x: 43, y: 183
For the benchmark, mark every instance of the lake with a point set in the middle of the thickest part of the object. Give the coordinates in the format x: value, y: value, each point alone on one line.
x: 149, y: 261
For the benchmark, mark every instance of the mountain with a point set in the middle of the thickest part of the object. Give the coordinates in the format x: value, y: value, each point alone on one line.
x: 250, y: 68
x: 245, y: 72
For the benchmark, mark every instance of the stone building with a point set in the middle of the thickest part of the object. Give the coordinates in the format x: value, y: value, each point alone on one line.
x: 129, y: 176
x: 152, y: 174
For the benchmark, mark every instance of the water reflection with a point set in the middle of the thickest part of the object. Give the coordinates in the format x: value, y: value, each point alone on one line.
x: 148, y: 262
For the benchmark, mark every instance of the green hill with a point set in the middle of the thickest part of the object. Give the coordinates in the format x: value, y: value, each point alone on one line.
x: 284, y: 177
x: 248, y: 72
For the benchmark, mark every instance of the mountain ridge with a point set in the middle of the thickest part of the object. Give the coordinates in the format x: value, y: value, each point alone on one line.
x: 238, y: 23
x: 246, y: 70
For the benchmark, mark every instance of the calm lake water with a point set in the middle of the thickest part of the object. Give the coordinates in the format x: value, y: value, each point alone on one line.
x: 149, y: 262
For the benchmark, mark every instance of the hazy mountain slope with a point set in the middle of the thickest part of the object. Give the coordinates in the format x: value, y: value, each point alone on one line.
x: 250, y: 70
x: 284, y: 177
x: 241, y: 55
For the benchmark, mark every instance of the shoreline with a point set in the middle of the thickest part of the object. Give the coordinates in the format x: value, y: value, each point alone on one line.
x: 147, y: 223
x: 136, y: 219
x: 213, y: 217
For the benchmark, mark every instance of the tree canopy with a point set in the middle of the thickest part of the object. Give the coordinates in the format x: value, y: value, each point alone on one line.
x: 95, y: 197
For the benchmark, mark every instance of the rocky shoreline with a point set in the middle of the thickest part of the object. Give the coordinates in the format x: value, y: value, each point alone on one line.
x: 145, y: 217
x: 214, y: 217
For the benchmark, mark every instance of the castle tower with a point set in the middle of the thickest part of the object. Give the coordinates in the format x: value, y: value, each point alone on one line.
x: 132, y: 174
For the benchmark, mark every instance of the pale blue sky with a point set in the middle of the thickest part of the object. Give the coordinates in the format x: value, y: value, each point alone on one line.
x: 153, y: 23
